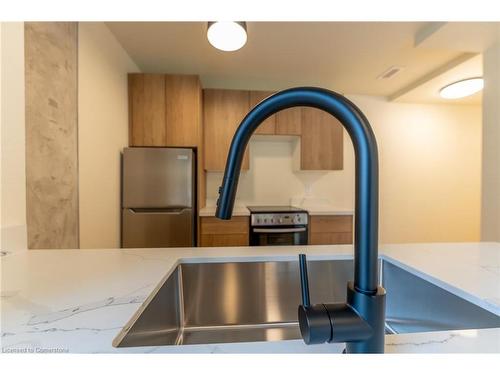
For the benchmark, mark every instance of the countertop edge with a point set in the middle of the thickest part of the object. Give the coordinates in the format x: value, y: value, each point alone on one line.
x: 243, y: 211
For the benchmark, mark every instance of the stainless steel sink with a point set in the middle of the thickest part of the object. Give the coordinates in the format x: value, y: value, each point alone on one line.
x: 204, y: 303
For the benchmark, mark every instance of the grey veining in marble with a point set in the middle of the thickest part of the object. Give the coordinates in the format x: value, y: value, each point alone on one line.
x: 51, y: 134
x: 63, y: 314
x: 77, y: 301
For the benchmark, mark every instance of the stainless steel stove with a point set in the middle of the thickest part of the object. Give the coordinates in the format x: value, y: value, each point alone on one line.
x: 278, y: 226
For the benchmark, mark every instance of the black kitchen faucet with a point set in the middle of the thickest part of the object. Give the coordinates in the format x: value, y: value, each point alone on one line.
x: 359, y: 322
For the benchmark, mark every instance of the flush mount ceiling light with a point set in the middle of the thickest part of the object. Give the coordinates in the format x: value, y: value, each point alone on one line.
x: 462, y: 88
x: 227, y: 36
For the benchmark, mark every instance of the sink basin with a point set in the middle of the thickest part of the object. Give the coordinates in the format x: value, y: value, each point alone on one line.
x: 203, y: 303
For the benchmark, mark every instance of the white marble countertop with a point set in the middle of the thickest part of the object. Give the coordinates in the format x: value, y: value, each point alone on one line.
x: 79, y: 300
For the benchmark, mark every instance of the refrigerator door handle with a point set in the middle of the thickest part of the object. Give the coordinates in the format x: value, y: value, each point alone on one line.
x: 162, y: 211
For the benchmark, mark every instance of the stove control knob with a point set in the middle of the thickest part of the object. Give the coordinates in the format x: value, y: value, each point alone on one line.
x: 298, y: 219
x: 281, y: 220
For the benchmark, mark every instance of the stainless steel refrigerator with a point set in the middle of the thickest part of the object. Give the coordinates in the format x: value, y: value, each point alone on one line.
x: 158, y: 197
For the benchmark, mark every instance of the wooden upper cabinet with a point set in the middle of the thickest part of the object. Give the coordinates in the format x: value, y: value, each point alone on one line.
x: 164, y: 110
x: 322, y: 141
x: 147, y: 109
x: 172, y: 110
x: 288, y: 121
x: 268, y: 126
x: 183, y: 110
x: 223, y: 111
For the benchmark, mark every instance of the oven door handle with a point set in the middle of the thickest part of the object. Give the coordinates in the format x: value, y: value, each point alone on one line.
x: 279, y: 230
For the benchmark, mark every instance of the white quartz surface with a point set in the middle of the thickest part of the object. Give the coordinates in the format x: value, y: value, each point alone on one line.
x: 237, y: 211
x: 79, y: 300
x: 319, y: 206
x: 312, y: 210
x: 326, y: 210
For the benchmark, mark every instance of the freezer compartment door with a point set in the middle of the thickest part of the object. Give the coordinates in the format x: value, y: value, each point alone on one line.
x: 157, y: 228
x: 158, y: 177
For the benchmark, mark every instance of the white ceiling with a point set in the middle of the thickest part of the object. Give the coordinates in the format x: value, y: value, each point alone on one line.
x: 343, y: 56
x: 460, y: 36
x: 427, y: 91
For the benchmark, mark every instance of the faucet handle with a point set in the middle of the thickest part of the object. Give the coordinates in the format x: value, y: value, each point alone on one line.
x: 304, y: 281
x: 314, y: 322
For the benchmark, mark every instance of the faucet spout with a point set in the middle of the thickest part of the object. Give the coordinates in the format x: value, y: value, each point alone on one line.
x: 365, y: 148
x: 366, y: 188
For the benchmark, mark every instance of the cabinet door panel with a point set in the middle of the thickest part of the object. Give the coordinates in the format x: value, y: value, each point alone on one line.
x: 237, y: 224
x: 330, y: 238
x: 183, y: 113
x: 268, y: 126
x: 223, y: 111
x: 221, y: 233
x: 147, y: 110
x: 220, y: 240
x: 330, y: 229
x: 331, y: 223
x: 322, y: 145
x: 288, y: 121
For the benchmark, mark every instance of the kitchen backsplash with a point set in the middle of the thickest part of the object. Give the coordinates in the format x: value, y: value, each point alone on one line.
x: 274, y: 177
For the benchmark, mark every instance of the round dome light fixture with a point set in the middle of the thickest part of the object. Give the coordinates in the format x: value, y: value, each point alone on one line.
x: 463, y: 88
x: 227, y: 35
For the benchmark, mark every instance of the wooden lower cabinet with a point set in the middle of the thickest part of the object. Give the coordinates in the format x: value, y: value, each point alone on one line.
x: 330, y: 229
x: 224, y: 233
x: 323, y: 230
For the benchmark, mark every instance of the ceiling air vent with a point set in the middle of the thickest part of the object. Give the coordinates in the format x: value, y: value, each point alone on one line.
x: 391, y: 72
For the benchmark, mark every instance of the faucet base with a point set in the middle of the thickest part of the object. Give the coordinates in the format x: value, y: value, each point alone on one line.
x: 371, y: 307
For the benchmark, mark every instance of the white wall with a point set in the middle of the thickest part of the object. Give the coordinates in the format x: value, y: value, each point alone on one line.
x: 13, y: 194
x: 429, y: 155
x: 490, y: 212
x: 429, y: 172
x: 103, y: 132
x: 1, y: 121
x: 273, y: 177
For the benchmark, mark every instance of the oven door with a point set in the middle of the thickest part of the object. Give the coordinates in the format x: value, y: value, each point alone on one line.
x: 278, y: 236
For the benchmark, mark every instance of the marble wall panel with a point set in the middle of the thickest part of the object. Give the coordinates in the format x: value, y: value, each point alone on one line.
x: 51, y: 134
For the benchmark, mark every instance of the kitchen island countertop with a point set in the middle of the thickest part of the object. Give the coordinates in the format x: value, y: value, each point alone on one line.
x: 79, y: 300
